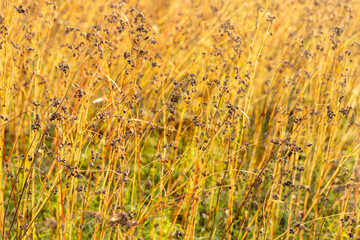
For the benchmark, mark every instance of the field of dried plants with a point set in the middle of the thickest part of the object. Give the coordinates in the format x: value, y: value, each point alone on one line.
x: 182, y: 119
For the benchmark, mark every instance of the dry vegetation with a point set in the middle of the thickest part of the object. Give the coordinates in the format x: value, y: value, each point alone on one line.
x: 179, y: 119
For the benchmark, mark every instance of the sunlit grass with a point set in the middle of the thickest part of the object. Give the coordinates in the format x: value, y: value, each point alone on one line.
x: 179, y: 119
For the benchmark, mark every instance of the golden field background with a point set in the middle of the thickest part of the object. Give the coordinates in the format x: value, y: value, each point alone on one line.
x: 179, y: 119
